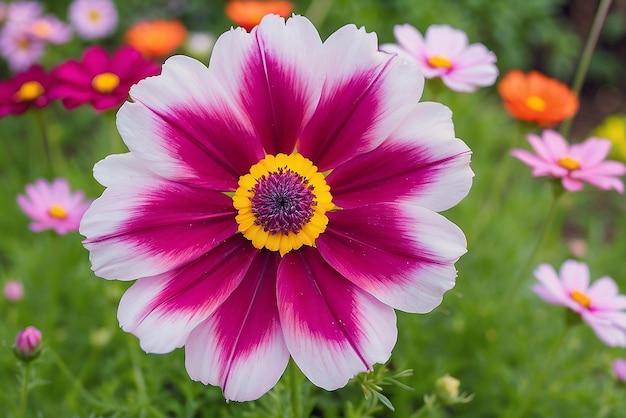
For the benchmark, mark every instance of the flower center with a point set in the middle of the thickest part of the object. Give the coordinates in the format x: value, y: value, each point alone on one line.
x: 439, y: 61
x: 57, y: 211
x: 569, y: 163
x: 282, y: 203
x: 535, y: 103
x: 94, y: 15
x: 41, y: 28
x: 28, y: 91
x: 581, y: 298
x: 105, y: 82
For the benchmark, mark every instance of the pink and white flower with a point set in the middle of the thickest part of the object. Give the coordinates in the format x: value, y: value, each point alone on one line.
x: 53, y: 206
x: 446, y: 53
x: 93, y: 19
x: 281, y: 202
x: 600, y: 305
x: 573, y: 164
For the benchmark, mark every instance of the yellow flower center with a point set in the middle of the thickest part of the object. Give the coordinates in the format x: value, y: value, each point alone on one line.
x: 535, y: 103
x: 28, y: 91
x: 581, y: 298
x: 282, y: 202
x: 57, y: 211
x: 569, y: 163
x: 94, y: 15
x: 439, y: 61
x: 105, y: 82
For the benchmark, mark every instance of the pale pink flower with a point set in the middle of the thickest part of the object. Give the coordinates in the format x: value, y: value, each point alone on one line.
x: 50, y: 29
x: 619, y: 368
x: 445, y: 52
x: 573, y: 164
x: 13, y: 290
x: 19, y: 48
x: 93, y: 19
x: 53, y: 206
x: 599, y: 304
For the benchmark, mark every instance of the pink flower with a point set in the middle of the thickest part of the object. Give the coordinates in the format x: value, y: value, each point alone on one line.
x: 100, y: 79
x: 13, y: 290
x: 50, y: 29
x: 573, y: 164
x: 93, y: 19
x: 19, y: 47
x: 619, y: 368
x: 25, y: 90
x: 444, y: 52
x: 27, y: 344
x: 599, y: 305
x: 281, y: 202
x: 53, y: 206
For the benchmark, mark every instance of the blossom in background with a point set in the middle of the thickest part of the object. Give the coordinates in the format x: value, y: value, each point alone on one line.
x: 93, y: 19
x: 156, y: 38
x: 22, y: 12
x: 25, y: 90
x: 599, y: 304
x: 573, y: 164
x: 613, y: 128
x: 19, y: 47
x: 13, y: 290
x: 248, y: 13
x: 265, y: 222
x: 27, y: 344
x: 619, y: 368
x: 534, y: 97
x: 100, y: 79
x: 444, y: 52
x: 199, y: 45
x: 53, y: 206
x: 50, y: 29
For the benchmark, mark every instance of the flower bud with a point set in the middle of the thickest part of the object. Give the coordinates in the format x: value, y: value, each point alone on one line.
x: 27, y: 344
x: 13, y: 291
x: 619, y: 368
x: 447, y: 391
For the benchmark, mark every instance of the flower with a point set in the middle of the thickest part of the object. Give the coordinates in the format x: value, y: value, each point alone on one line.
x: 156, y: 38
x: 27, y: 344
x: 573, y: 164
x: 613, y: 128
x: 13, y: 290
x: 53, y: 206
x: 619, y: 368
x: 280, y: 202
x: 100, y: 79
x: 534, y: 97
x: 93, y: 19
x: 50, y: 29
x: 19, y: 47
x: 444, y: 52
x: 248, y: 13
x: 447, y: 392
x: 25, y: 90
x: 599, y: 305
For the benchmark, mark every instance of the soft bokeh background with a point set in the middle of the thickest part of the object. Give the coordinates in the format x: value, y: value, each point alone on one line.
x: 491, y: 339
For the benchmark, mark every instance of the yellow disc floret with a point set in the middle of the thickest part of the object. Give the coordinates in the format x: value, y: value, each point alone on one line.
x: 282, y: 202
x: 105, y: 82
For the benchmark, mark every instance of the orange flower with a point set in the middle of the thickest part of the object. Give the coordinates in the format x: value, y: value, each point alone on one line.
x: 534, y: 97
x: 248, y: 13
x: 156, y: 38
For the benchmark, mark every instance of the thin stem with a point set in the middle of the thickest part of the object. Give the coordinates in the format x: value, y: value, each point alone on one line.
x: 41, y: 125
x: 70, y: 376
x: 24, y: 395
x: 585, y: 58
x: 295, y: 390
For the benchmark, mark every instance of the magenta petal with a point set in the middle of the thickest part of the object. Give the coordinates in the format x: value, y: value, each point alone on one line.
x: 162, y: 310
x: 240, y: 347
x: 401, y: 253
x: 333, y: 329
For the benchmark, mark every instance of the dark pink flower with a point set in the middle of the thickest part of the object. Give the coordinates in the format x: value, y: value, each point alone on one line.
x: 100, y: 79
x: 27, y: 344
x: 282, y: 201
x: 27, y: 89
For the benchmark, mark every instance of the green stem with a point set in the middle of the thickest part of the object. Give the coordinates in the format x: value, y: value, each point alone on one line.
x: 41, y: 125
x: 585, y: 58
x: 24, y: 395
x: 295, y: 390
x: 70, y: 376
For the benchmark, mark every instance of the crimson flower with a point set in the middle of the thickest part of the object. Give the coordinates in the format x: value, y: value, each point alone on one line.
x: 27, y: 89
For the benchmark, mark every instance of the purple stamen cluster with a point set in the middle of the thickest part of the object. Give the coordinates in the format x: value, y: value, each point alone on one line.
x: 283, y: 202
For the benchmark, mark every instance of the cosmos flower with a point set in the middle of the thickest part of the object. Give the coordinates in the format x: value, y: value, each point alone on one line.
x: 13, y: 290
x: 93, y: 19
x: 27, y: 344
x: 248, y: 13
x: 19, y: 47
x: 100, y: 79
x: 25, y: 90
x: 156, y: 38
x: 50, y: 29
x: 445, y: 52
x: 599, y: 304
x: 282, y: 201
x: 573, y: 164
x: 534, y: 97
x: 53, y: 206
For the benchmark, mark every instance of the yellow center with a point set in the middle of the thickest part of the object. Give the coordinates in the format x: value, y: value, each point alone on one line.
x: 535, y: 103
x: 105, y: 82
x: 28, y: 91
x: 57, y: 211
x: 307, y: 176
x: 569, y: 163
x: 581, y: 298
x: 439, y: 61
x: 94, y: 15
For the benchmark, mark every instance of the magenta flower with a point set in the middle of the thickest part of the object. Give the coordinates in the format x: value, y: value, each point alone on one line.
x: 444, y: 52
x: 27, y: 344
x: 619, y: 368
x: 100, y: 79
x: 53, y: 206
x: 280, y: 202
x: 93, y: 19
x: 599, y: 305
x: 573, y: 164
x: 25, y: 90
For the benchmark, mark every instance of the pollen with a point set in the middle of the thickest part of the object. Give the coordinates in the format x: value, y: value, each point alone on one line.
x: 105, y: 82
x: 535, y: 103
x: 57, y: 211
x: 581, y: 298
x: 282, y: 202
x: 28, y: 91
x: 439, y: 61
x: 569, y: 163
